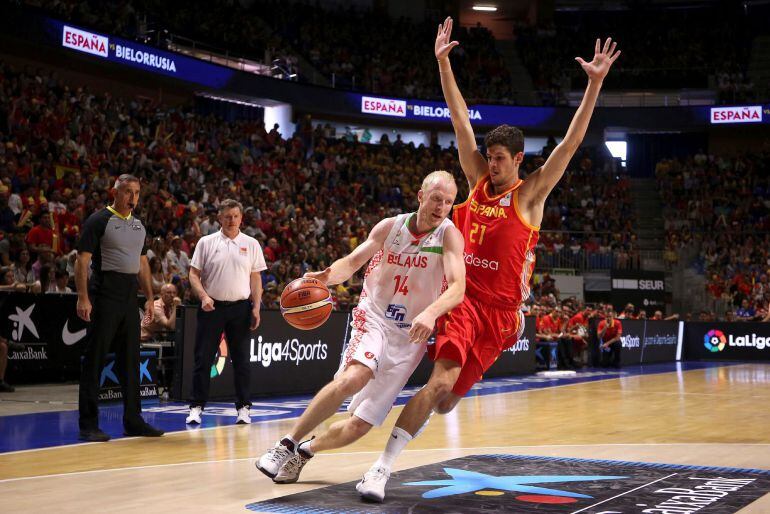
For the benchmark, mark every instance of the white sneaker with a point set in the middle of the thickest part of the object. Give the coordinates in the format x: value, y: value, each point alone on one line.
x: 195, y: 416
x: 289, y: 472
x: 243, y: 416
x: 271, y: 462
x: 372, y: 486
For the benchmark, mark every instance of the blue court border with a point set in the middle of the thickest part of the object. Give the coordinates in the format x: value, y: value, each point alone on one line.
x: 53, y: 429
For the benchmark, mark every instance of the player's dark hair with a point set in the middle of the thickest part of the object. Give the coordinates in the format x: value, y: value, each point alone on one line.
x: 510, y: 137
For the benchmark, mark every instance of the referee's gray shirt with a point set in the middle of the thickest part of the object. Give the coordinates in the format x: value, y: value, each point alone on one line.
x: 116, y: 242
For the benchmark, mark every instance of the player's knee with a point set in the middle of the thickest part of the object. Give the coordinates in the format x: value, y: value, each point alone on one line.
x: 439, y: 388
x: 352, y: 381
x: 359, y: 427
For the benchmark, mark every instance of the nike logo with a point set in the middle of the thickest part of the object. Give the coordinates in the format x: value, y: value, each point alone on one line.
x: 394, y: 436
x: 70, y: 338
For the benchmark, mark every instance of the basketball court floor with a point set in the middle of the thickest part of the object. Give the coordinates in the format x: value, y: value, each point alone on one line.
x: 687, y: 437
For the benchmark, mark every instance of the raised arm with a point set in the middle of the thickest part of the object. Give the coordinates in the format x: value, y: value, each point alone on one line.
x: 454, y: 272
x: 473, y: 163
x: 342, y: 269
x: 540, y: 183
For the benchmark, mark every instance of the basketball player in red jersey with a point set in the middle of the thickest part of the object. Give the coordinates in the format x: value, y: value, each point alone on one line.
x: 499, y: 221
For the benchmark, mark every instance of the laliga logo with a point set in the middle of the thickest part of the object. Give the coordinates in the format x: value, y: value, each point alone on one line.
x: 714, y: 341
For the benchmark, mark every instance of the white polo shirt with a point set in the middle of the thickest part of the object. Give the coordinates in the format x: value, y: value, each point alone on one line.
x: 226, y: 265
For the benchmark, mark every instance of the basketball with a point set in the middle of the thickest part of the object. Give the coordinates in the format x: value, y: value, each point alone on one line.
x: 306, y: 303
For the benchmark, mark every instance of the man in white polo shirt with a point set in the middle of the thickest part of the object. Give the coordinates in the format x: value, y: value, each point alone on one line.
x: 225, y: 274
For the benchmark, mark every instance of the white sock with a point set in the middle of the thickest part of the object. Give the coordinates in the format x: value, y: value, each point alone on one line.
x: 424, y: 425
x: 307, y: 447
x: 396, y: 442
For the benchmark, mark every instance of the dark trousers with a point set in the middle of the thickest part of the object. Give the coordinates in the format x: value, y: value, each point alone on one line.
x: 114, y: 324
x: 564, y: 353
x: 234, y: 320
x: 612, y: 357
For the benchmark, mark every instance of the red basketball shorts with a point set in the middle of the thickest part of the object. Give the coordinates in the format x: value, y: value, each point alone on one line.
x: 474, y: 334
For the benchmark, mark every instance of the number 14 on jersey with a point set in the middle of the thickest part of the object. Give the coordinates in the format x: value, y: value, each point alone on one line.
x: 400, y: 286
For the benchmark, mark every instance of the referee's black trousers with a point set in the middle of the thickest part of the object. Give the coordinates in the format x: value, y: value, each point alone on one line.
x: 114, y: 325
x: 234, y: 320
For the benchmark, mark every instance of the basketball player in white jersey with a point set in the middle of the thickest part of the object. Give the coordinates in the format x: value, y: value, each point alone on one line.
x: 411, y: 257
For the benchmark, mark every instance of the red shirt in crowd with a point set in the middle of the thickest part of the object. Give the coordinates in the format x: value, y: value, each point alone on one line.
x: 615, y: 329
x: 547, y: 324
x: 40, y: 235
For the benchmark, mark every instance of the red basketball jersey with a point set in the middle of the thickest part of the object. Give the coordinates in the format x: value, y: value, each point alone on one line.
x: 499, y: 245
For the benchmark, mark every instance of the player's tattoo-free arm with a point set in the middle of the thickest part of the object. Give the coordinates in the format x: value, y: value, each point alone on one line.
x: 342, y: 269
x: 454, y: 272
x: 545, y: 179
x: 472, y: 162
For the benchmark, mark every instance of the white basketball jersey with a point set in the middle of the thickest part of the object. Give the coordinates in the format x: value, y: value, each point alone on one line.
x: 405, y: 276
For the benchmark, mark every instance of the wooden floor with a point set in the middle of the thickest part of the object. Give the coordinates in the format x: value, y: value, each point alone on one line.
x: 712, y: 417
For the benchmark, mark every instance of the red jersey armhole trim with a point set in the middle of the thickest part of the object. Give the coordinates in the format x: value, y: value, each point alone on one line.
x: 518, y: 213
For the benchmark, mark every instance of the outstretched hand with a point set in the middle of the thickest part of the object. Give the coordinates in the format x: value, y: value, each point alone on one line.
x: 322, y: 276
x: 598, y: 68
x: 443, y: 45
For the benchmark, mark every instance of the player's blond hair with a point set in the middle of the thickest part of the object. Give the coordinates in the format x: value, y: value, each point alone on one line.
x: 435, y: 178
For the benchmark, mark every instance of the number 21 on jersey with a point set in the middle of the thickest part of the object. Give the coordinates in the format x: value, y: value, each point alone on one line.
x: 400, y: 285
x: 477, y: 233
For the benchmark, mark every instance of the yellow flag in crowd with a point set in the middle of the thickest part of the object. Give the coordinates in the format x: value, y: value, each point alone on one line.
x: 62, y: 170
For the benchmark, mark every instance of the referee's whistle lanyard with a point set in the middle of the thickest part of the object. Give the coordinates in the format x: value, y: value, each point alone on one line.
x: 119, y: 215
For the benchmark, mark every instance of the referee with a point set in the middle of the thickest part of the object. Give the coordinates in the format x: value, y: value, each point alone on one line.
x: 112, y: 243
x: 225, y: 273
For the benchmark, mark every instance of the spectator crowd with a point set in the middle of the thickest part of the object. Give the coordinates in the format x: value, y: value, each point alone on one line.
x: 354, y: 47
x: 311, y: 197
x: 703, y: 47
x: 717, y: 210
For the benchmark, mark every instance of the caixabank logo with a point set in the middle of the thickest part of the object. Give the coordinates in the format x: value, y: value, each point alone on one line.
x: 527, y: 488
x: 531, y: 484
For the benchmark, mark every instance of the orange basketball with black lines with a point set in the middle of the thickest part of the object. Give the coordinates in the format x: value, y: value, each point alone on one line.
x: 306, y: 303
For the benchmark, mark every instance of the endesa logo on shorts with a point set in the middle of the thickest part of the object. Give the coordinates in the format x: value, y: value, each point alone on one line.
x: 83, y: 41
x: 472, y: 260
x: 744, y: 114
x: 383, y: 106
